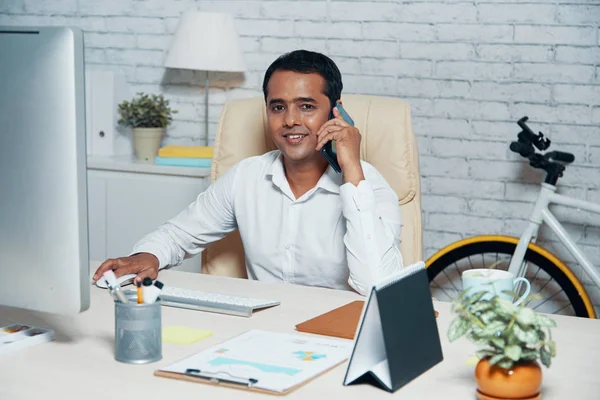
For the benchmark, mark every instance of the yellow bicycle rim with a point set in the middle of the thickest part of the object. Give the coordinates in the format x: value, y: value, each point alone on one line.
x: 533, y: 247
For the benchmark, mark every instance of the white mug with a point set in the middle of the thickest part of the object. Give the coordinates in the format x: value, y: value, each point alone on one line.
x: 494, y: 281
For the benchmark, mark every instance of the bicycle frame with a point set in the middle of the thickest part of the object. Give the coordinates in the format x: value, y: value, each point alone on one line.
x: 541, y: 214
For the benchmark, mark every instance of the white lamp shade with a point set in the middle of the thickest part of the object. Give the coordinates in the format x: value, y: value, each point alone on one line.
x: 206, y: 42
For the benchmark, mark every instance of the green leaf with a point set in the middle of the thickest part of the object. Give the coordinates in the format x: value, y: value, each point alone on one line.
x: 480, y: 306
x: 493, y: 328
x: 506, y: 364
x: 529, y: 336
x: 488, y: 316
x: 483, y: 353
x: 534, y: 297
x: 541, y: 334
x: 511, y: 338
x: 505, y: 307
x: 475, y: 297
x: 477, y: 330
x: 496, y: 359
x: 457, y: 328
x: 552, y: 347
x: 529, y: 355
x: 511, y: 293
x: 526, y: 316
x: 546, y: 321
x: 513, y: 352
x: 498, y: 342
x: 545, y: 356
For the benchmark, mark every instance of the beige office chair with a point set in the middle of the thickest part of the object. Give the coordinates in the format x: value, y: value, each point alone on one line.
x: 387, y: 143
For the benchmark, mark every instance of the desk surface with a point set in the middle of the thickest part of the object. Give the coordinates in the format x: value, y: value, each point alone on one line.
x: 80, y: 362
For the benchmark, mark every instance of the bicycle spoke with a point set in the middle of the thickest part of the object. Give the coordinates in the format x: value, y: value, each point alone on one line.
x: 459, y: 275
x: 472, y: 267
x: 451, y: 281
x: 536, y: 274
x: 444, y: 290
x: 545, y: 284
x: 551, y: 297
x: 560, y: 309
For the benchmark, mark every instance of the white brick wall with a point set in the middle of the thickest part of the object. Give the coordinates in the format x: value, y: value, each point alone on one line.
x: 469, y: 70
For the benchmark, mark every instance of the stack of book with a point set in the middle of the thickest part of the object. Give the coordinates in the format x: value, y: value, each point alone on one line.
x: 185, y: 156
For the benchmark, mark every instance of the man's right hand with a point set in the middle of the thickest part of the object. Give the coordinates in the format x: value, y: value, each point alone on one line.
x: 142, y: 264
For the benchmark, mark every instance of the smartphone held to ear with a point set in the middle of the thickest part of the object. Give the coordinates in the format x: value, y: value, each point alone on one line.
x: 328, y: 150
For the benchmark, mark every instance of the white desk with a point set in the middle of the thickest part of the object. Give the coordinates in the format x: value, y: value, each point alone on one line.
x: 80, y: 363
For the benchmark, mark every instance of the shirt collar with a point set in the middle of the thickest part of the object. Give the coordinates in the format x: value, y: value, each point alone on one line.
x: 329, y: 181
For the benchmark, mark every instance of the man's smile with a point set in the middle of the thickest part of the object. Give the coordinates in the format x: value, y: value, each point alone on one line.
x: 294, y: 138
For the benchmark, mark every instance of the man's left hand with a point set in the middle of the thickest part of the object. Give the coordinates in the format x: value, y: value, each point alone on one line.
x: 347, y: 143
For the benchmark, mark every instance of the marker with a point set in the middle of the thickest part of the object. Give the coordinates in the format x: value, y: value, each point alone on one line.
x: 146, y: 284
x: 152, y: 292
x: 140, y: 296
x: 113, y: 286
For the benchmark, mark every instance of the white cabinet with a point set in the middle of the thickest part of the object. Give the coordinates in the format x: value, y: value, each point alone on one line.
x: 127, y: 200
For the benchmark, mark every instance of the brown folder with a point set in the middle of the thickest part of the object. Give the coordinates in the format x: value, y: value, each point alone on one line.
x: 340, y: 322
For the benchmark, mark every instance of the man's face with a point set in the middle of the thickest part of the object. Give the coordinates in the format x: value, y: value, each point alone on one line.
x: 296, y: 109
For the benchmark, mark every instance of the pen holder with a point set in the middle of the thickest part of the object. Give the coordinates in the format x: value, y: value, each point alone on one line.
x: 138, y: 331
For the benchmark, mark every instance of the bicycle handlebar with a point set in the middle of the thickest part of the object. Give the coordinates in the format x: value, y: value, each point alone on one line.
x: 561, y: 156
x: 548, y: 161
x: 527, y: 135
x: 523, y: 149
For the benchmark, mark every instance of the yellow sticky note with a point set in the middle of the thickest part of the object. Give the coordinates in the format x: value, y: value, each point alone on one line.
x: 472, y: 360
x: 183, y: 334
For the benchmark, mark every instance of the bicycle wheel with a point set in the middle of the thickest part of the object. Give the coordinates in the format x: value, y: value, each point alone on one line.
x: 562, y: 292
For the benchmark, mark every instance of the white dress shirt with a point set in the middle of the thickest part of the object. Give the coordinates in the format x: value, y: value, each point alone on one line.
x: 335, y: 235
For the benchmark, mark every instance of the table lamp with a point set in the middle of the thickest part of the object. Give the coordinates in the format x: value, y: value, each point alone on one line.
x: 206, y: 42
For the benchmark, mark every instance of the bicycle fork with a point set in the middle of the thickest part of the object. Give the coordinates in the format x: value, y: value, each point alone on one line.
x: 517, y: 267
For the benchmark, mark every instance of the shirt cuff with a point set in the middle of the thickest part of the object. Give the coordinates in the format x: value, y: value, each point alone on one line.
x: 162, y: 260
x: 357, y: 198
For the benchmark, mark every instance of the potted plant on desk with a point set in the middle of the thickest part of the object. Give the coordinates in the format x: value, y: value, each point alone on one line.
x: 511, y: 339
x: 148, y: 116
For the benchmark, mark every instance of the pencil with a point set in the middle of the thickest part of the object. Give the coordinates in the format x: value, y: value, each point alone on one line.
x: 140, y: 298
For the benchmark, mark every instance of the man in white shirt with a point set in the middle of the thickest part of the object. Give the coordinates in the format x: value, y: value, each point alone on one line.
x: 300, y: 221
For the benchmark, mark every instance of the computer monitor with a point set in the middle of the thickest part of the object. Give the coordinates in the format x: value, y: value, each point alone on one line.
x: 44, y: 262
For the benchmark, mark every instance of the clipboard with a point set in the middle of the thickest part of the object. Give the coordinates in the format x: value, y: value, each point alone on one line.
x: 397, y: 338
x: 282, y: 369
x: 246, y: 385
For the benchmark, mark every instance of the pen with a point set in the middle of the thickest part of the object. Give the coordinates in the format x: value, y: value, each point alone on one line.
x: 146, y: 284
x: 140, y: 296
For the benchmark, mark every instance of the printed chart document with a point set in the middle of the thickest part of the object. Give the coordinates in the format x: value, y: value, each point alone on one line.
x: 270, y: 361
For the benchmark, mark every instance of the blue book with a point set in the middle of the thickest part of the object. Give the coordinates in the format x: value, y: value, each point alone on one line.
x: 183, y: 162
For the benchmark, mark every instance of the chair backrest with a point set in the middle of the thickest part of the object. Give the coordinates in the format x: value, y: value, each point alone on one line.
x: 388, y: 143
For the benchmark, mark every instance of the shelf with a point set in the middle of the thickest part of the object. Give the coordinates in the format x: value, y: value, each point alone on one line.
x: 126, y: 163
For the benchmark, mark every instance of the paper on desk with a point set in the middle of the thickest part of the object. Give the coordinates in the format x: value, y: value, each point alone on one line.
x: 184, y: 334
x: 277, y: 361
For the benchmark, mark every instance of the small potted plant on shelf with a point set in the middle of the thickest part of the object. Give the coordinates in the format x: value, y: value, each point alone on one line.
x: 148, y: 116
x: 511, y: 340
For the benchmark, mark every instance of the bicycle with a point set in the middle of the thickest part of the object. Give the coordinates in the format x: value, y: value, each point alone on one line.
x: 561, y: 290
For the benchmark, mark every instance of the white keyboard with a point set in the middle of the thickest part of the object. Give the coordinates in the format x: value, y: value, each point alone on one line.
x: 213, y: 302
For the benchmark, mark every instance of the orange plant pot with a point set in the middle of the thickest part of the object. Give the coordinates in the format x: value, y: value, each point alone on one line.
x: 522, y: 381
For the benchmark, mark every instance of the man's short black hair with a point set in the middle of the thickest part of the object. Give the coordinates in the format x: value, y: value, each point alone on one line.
x: 309, y: 62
